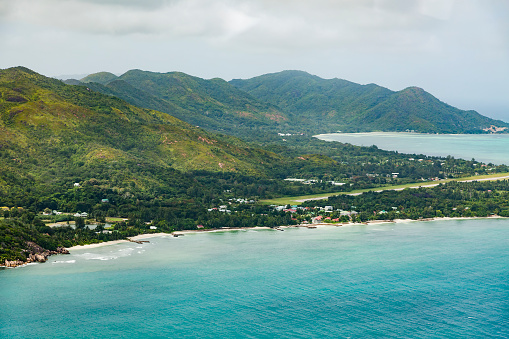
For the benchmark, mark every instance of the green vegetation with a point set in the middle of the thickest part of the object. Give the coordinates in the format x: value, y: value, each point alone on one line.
x: 290, y: 102
x: 300, y: 199
x: 212, y: 104
x: 329, y: 105
x: 452, y: 199
x: 101, y: 78
x: 72, y: 149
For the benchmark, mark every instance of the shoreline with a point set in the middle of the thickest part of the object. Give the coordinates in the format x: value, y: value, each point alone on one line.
x: 120, y: 241
x: 311, y: 226
x: 214, y: 230
x: 278, y: 228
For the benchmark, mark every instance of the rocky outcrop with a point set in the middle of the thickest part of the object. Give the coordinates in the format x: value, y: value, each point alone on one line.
x: 34, y: 253
x: 13, y: 263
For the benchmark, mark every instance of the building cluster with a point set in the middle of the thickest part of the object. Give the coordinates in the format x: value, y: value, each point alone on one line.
x: 316, y: 214
x: 312, y: 181
x: 231, y: 201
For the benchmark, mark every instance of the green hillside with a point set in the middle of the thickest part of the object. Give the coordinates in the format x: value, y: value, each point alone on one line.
x: 328, y: 105
x: 101, y: 77
x: 37, y: 110
x: 212, y: 104
x: 52, y: 132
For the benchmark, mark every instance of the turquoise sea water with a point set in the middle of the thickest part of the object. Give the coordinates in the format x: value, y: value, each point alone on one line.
x: 487, y: 148
x: 442, y: 279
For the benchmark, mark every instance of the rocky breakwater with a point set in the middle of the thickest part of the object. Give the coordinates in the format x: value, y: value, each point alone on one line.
x: 34, y: 253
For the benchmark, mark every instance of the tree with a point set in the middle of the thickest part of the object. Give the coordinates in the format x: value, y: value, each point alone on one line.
x: 80, y: 223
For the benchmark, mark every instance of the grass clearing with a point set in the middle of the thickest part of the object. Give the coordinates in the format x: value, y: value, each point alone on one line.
x: 115, y: 219
x: 299, y: 199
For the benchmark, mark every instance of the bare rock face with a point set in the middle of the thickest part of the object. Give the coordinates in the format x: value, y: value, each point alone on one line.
x: 41, y: 257
x: 35, y: 253
x: 13, y: 263
x: 60, y: 250
x: 32, y: 247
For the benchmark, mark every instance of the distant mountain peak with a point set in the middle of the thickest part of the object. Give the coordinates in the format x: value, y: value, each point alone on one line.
x: 99, y: 77
x: 328, y: 105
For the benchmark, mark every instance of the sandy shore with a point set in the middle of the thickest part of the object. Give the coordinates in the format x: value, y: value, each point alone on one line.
x: 114, y: 242
x: 101, y: 244
x: 220, y: 230
x: 153, y: 235
x: 370, y: 222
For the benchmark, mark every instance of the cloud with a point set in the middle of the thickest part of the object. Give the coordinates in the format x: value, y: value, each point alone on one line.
x: 123, y: 17
x: 272, y: 20
x: 368, y: 26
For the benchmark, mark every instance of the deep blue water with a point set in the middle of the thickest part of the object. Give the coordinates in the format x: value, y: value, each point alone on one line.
x: 443, y: 279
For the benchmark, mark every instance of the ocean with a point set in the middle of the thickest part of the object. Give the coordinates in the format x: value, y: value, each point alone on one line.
x: 488, y: 148
x: 439, y: 279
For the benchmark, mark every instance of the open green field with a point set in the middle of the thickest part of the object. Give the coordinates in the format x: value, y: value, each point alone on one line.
x: 114, y: 219
x: 299, y: 199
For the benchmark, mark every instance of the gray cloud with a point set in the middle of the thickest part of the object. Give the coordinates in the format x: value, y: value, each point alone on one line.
x: 397, y: 26
x: 277, y: 21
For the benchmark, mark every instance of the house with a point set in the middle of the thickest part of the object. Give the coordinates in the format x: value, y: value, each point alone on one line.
x: 153, y: 227
x: 200, y: 226
x: 76, y: 184
x: 105, y: 200
x: 337, y: 183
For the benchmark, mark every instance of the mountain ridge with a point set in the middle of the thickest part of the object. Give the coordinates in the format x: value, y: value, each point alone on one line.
x: 290, y: 101
x: 341, y: 104
x: 39, y: 112
x: 213, y: 104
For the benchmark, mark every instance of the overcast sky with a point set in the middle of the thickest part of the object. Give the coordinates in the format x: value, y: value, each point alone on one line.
x: 456, y: 50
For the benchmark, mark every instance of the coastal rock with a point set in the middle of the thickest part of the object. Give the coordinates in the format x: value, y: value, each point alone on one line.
x: 60, y: 250
x: 35, y: 253
x: 13, y: 263
x: 40, y: 257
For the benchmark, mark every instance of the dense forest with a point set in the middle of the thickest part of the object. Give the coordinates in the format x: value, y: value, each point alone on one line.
x: 288, y: 102
x: 452, y: 199
x: 337, y: 104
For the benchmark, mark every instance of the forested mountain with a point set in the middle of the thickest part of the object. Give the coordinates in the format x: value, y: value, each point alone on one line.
x: 100, y: 78
x: 213, y: 104
x: 52, y: 134
x: 40, y: 113
x: 329, y: 105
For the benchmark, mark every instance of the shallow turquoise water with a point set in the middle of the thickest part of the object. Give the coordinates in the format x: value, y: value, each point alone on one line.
x: 444, y: 279
x: 487, y: 148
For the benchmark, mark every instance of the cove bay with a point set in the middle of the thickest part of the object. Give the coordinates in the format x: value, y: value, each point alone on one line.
x: 437, y: 279
x: 488, y: 148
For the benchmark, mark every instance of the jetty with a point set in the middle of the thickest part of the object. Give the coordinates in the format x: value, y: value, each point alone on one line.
x: 138, y: 241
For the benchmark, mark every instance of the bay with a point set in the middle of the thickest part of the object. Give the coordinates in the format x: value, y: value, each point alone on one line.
x: 488, y: 148
x: 437, y: 279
